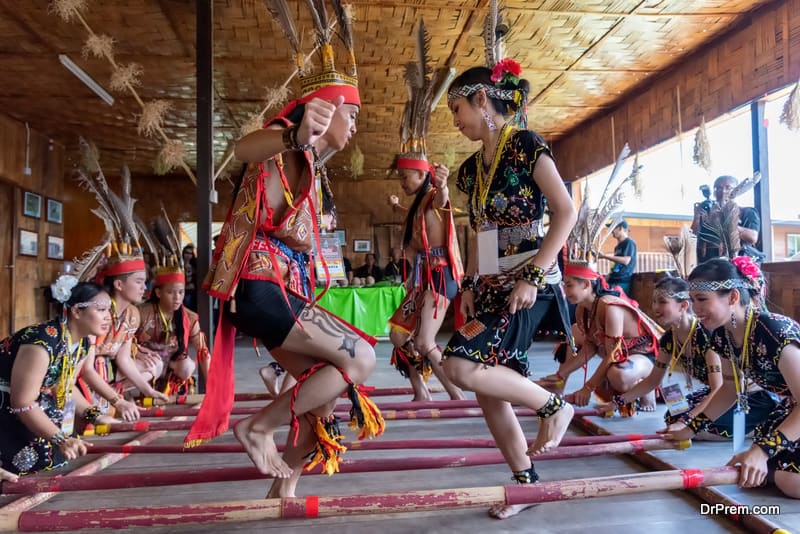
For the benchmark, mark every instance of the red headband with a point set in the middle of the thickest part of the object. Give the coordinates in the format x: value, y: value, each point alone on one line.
x: 416, y: 164
x: 170, y: 278
x: 581, y: 271
x: 125, y: 267
x: 328, y: 93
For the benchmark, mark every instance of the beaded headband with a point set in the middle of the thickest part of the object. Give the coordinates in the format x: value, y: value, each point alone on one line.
x: 105, y: 303
x: 714, y: 285
x: 508, y: 95
x: 675, y: 295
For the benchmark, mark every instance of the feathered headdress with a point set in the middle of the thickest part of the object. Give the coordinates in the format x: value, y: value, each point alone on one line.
x: 169, y: 259
x: 328, y: 82
x: 123, y: 251
x: 494, y: 32
x: 590, y: 230
x: 423, y: 83
x: 723, y: 220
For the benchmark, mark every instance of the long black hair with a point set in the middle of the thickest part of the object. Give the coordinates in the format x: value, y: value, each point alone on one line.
x: 424, y: 188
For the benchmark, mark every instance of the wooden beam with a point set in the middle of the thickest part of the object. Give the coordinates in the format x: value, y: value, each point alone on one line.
x: 761, y: 164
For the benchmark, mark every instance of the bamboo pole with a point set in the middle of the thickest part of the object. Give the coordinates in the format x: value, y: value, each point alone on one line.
x: 228, y: 474
x: 753, y: 523
x: 342, y: 505
x: 388, y: 415
x: 377, y: 445
x: 383, y: 406
x: 244, y: 397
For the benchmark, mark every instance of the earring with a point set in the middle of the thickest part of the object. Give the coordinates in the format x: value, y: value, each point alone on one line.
x: 489, y: 122
x: 733, y: 320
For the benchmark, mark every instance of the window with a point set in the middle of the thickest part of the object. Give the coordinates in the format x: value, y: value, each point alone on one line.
x: 792, y: 244
x: 784, y: 160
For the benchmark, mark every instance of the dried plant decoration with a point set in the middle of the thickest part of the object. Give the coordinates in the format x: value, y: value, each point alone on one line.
x: 252, y: 124
x: 172, y: 155
x: 674, y: 245
x: 98, y: 46
x: 356, y: 162
x: 791, y: 110
x: 702, y: 148
x: 68, y: 10
x: 126, y: 76
x: 636, y: 180
x: 152, y: 117
x: 275, y: 96
x: 90, y: 156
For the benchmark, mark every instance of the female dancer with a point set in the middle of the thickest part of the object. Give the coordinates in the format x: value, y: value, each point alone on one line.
x: 507, y: 182
x: 754, y: 345
x: 38, y: 368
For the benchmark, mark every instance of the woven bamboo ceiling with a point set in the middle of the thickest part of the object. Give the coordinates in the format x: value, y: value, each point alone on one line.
x: 581, y: 58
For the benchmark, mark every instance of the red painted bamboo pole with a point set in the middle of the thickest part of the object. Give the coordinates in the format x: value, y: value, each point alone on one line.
x: 243, y: 397
x: 377, y: 445
x: 341, y: 505
x: 389, y: 415
x: 227, y: 474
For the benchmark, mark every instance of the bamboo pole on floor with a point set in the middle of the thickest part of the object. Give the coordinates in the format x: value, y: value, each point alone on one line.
x: 228, y: 474
x: 376, y: 445
x: 341, y: 505
x: 389, y: 415
x: 244, y: 397
x: 752, y: 523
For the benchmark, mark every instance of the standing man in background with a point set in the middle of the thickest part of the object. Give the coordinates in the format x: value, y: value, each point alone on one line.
x: 624, y: 258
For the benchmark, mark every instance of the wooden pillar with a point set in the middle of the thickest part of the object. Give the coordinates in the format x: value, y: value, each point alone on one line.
x: 205, y: 159
x: 761, y: 164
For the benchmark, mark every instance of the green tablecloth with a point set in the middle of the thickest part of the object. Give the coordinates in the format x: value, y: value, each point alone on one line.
x: 368, y: 308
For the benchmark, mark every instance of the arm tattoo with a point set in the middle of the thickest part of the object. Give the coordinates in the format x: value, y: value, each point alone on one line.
x: 333, y: 328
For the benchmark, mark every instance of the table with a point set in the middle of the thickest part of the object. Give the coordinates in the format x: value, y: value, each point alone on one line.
x: 368, y: 308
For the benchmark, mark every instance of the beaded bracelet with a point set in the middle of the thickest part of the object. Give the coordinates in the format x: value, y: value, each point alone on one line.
x: 534, y: 275
x: 775, y: 443
x: 467, y: 284
x: 23, y: 409
x: 58, y: 439
x: 91, y: 414
x: 619, y: 400
x: 290, y: 141
x: 698, y: 423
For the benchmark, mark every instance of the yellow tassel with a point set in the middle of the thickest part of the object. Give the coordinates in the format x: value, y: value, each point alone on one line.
x: 617, y: 353
x: 374, y: 425
x: 327, y: 451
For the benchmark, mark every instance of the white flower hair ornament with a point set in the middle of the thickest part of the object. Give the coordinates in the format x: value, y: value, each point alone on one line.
x: 62, y: 287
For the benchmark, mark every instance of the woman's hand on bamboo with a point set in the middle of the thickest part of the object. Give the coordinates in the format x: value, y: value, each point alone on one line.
x: 677, y: 432
x: 752, y: 467
x: 317, y: 119
x: 127, y: 410
x: 74, y: 448
x: 522, y: 297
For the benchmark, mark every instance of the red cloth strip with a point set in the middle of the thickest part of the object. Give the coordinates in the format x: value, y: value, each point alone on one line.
x: 312, y: 506
x: 415, y: 164
x: 125, y: 267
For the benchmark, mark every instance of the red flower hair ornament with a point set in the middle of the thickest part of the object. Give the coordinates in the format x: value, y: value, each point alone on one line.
x: 506, y: 70
x: 748, y: 268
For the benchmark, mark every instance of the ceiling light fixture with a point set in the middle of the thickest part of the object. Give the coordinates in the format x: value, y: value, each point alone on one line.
x: 86, y: 79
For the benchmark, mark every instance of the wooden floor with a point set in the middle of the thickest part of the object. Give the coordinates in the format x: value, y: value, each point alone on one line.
x: 650, y: 513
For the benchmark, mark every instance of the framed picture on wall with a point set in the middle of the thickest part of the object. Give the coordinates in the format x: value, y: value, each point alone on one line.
x: 362, y: 245
x: 55, y: 247
x: 54, y: 208
x: 28, y: 243
x: 32, y: 205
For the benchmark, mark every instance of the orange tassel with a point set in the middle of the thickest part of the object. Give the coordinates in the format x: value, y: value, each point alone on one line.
x: 329, y: 447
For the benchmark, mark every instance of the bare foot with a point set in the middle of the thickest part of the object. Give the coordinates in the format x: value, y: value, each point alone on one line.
x: 271, y: 380
x: 284, y: 487
x: 260, y: 447
x: 648, y: 402
x: 10, y: 477
x: 552, y: 430
x: 504, y: 511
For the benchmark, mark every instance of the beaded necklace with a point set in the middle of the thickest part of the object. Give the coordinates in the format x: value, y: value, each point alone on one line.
x: 69, y: 363
x: 167, y: 323
x: 483, y: 180
x: 677, y: 354
x: 742, y: 368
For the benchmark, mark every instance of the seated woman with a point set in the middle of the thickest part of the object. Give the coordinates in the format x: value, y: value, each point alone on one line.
x: 687, y: 342
x: 168, y: 328
x: 754, y: 345
x: 612, y: 327
x: 38, y: 368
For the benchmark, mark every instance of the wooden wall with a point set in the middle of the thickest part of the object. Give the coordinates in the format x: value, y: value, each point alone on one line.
x: 22, y: 300
x: 761, y: 56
